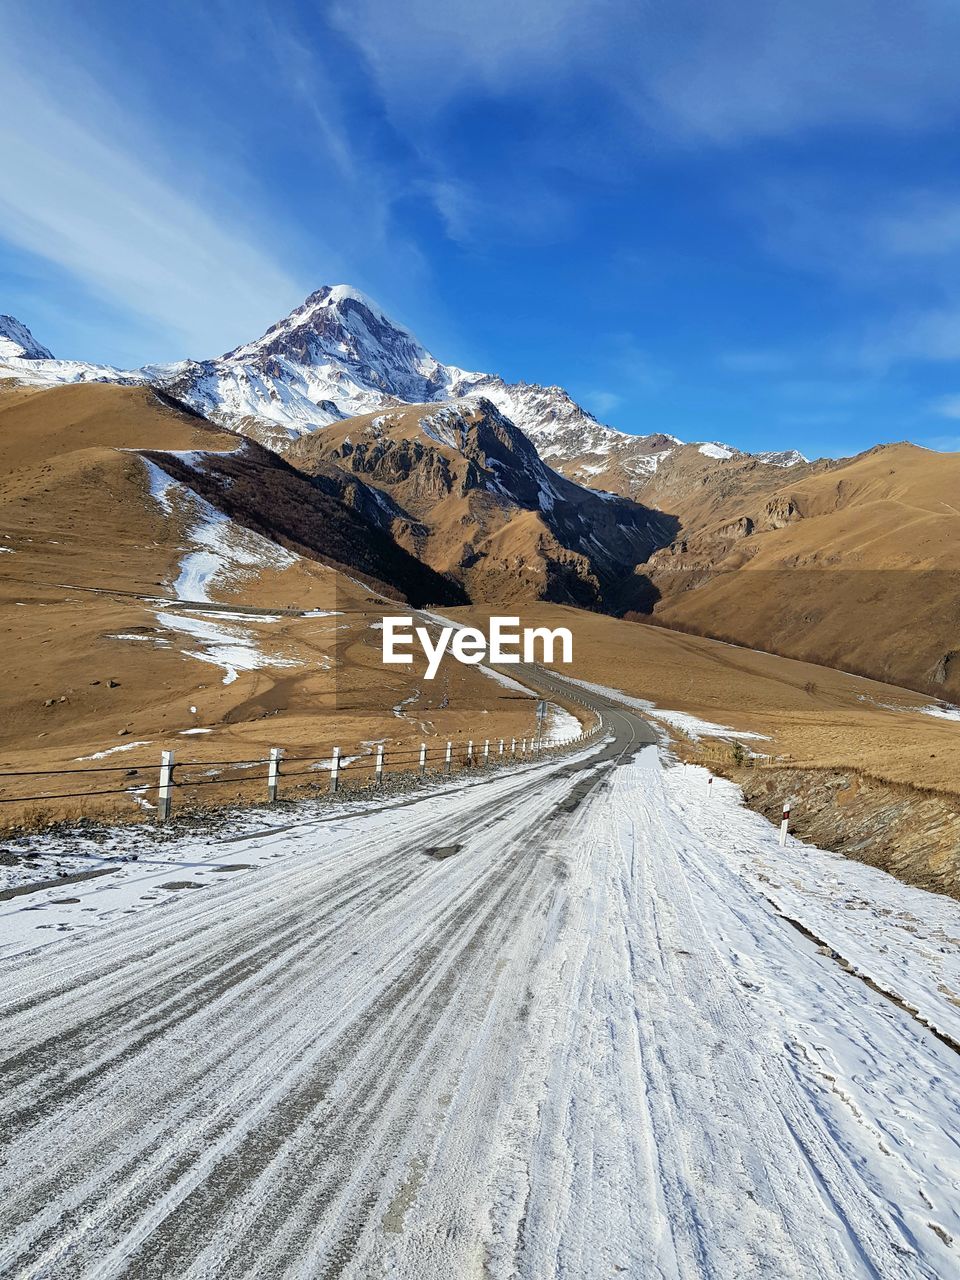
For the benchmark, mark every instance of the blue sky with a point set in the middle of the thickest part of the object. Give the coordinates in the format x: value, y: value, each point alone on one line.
x: 735, y: 220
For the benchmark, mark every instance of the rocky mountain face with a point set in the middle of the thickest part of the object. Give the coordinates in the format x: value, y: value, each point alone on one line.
x: 18, y: 343
x: 463, y: 489
x: 511, y: 491
x: 338, y: 355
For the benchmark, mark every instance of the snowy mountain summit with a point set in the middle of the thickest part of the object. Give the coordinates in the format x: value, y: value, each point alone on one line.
x: 18, y: 343
x: 339, y: 355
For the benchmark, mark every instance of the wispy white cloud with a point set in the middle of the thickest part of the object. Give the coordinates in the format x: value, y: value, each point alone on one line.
x: 726, y: 71
x: 947, y: 406
x: 74, y: 196
x: 757, y: 361
x: 472, y: 215
x: 600, y: 402
x: 674, y: 74
x: 942, y: 444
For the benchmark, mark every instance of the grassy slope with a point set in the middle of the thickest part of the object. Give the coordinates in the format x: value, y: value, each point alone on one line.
x: 867, y: 578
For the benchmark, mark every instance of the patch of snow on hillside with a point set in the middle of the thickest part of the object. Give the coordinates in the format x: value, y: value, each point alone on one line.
x: 222, y: 549
x: 559, y: 727
x: 508, y: 683
x: 782, y: 458
x: 716, y: 451
x: 644, y: 462
x: 160, y: 485
x: 109, y: 751
x: 224, y: 644
x: 58, y: 373
x: 941, y: 710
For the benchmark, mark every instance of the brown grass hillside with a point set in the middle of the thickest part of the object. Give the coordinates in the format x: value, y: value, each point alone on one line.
x: 109, y: 651
x: 856, y: 566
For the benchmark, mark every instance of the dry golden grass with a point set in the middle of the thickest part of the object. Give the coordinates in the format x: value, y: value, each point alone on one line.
x: 866, y: 576
x: 812, y: 716
x: 93, y: 660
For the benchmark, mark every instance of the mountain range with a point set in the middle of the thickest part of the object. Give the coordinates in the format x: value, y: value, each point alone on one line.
x: 339, y: 355
x: 507, y: 491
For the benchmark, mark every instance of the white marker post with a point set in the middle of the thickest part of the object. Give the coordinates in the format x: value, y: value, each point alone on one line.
x: 448, y: 759
x: 273, y: 774
x: 378, y: 773
x: 709, y: 784
x: 470, y: 754
x: 165, y: 789
x: 513, y: 746
x: 423, y: 758
x: 785, y: 822
x: 486, y: 751
x: 500, y: 752
x: 335, y: 769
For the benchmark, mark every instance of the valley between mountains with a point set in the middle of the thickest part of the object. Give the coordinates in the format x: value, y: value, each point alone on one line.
x: 203, y: 551
x: 512, y: 491
x: 570, y: 1011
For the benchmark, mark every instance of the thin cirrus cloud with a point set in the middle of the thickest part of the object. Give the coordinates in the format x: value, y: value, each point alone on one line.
x: 947, y: 406
x: 727, y: 71
x: 75, y: 197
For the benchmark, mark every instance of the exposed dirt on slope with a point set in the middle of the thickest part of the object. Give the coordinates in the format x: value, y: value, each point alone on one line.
x: 913, y: 833
x: 463, y: 489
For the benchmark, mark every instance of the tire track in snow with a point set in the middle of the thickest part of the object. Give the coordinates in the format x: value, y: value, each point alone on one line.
x: 583, y: 1045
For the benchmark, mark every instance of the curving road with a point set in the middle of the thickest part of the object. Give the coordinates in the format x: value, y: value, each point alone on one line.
x: 536, y: 1026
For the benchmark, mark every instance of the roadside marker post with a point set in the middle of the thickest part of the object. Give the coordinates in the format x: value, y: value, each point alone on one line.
x: 335, y: 769
x: 541, y: 716
x: 785, y: 822
x: 486, y: 751
x: 165, y: 789
x: 273, y: 774
x: 500, y: 752
x: 423, y: 758
x: 448, y: 760
x: 709, y: 784
x: 513, y: 746
x: 378, y: 776
x: 470, y: 754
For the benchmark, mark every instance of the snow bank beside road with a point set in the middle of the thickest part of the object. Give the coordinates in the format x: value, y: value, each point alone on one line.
x: 691, y: 726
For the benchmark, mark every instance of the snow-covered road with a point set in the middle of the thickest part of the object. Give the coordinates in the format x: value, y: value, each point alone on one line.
x: 551, y: 1024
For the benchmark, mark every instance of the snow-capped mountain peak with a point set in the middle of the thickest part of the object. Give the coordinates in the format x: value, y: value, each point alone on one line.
x: 782, y: 458
x: 18, y: 343
x: 339, y: 355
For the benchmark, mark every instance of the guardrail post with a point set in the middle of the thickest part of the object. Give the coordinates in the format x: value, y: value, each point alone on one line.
x: 335, y: 769
x: 165, y: 789
x: 423, y: 758
x: 448, y: 761
x: 513, y: 746
x: 486, y: 751
x: 378, y: 776
x: 470, y: 753
x: 273, y: 774
x: 500, y: 752
x: 785, y: 822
